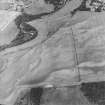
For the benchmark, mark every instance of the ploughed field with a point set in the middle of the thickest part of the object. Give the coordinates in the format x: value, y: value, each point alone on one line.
x: 86, y: 94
